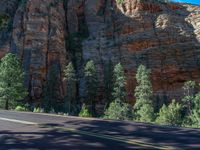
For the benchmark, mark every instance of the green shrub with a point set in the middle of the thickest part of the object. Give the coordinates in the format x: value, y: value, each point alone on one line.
x: 145, y: 113
x: 20, y: 108
x: 4, y: 20
x: 84, y: 112
x: 118, y: 111
x: 120, y: 1
x: 195, y: 114
x: 170, y: 115
x: 38, y: 110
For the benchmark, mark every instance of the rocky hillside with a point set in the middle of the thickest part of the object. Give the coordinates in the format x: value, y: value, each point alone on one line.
x: 46, y: 33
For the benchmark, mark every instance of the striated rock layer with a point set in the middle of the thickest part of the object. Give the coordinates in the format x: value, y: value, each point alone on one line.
x: 39, y: 39
x: 164, y: 37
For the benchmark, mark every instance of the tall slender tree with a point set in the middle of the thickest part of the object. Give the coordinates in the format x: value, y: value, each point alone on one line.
x: 119, y: 91
x: 143, y: 94
x: 108, y: 82
x: 70, y: 78
x: 11, y: 81
x: 189, y: 95
x: 91, y: 85
x: 118, y: 109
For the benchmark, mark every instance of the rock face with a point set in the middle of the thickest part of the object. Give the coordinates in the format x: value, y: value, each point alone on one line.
x: 39, y: 40
x: 164, y: 37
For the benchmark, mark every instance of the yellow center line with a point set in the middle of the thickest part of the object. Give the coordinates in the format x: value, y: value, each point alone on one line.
x: 119, y: 139
x: 77, y: 131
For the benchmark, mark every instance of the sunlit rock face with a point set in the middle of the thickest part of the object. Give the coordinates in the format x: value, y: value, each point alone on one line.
x: 164, y: 37
x: 39, y: 39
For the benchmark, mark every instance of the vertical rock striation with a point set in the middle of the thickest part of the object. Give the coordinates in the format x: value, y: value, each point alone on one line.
x: 164, y: 37
x: 39, y: 40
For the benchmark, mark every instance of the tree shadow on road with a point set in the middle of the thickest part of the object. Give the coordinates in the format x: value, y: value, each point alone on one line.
x: 59, y: 136
x: 56, y: 139
x: 185, y: 138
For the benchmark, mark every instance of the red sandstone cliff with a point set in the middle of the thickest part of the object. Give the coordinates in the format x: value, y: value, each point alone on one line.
x: 164, y: 37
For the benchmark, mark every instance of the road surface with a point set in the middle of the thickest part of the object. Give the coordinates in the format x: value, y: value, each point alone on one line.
x: 22, y: 130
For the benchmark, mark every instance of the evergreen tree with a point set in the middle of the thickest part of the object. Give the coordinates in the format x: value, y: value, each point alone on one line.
x: 108, y: 82
x: 118, y: 109
x: 119, y: 91
x: 143, y: 93
x: 146, y: 113
x: 170, y: 115
x: 91, y: 85
x: 189, y: 94
x: 195, y: 112
x: 70, y: 77
x: 11, y: 81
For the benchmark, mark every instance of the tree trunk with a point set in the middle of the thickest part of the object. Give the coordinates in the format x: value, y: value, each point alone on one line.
x: 6, y: 105
x: 93, y: 108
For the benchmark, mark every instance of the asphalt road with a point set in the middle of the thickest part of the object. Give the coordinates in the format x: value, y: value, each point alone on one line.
x: 33, y: 131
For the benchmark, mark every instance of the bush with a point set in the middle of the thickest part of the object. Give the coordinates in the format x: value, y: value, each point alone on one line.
x: 120, y: 1
x: 4, y: 19
x: 84, y: 112
x: 118, y: 111
x: 38, y: 110
x: 145, y: 113
x: 195, y: 114
x: 170, y: 115
x: 20, y: 108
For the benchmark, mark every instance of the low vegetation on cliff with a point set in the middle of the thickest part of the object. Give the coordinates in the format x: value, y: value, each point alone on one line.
x: 4, y: 19
x: 177, y: 113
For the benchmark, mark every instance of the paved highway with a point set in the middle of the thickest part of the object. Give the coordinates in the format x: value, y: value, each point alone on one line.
x: 22, y: 130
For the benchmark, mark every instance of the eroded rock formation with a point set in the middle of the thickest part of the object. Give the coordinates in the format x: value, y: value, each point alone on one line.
x: 164, y: 37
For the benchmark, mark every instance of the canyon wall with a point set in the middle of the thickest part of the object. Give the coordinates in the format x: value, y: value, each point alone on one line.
x: 164, y: 37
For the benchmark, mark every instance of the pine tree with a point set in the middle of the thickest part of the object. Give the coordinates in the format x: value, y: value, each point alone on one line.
x: 146, y: 113
x: 170, y: 115
x: 11, y: 81
x: 70, y: 78
x: 189, y: 94
x: 143, y: 93
x: 195, y: 112
x: 119, y: 91
x: 91, y: 85
x: 118, y: 109
x: 108, y: 82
